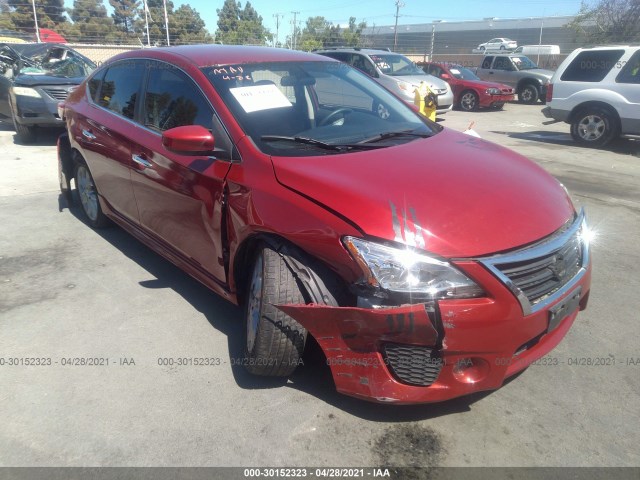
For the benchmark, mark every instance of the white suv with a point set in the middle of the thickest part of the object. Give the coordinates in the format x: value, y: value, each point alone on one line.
x: 597, y: 91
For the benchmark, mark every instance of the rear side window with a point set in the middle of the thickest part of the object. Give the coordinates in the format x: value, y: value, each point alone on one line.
x: 94, y: 84
x: 592, y: 65
x: 631, y: 70
x: 486, y: 63
x: 174, y: 100
x: 120, y: 87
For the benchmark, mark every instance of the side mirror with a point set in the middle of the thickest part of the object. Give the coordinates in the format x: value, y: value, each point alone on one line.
x: 445, y: 76
x: 189, y: 140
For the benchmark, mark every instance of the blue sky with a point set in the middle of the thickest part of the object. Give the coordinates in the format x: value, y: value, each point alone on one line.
x: 382, y: 12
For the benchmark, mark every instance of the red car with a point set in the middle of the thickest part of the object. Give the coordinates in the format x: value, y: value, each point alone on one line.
x: 469, y: 92
x: 426, y: 263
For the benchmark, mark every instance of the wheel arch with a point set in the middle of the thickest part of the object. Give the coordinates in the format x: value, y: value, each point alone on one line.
x: 536, y: 82
x: 594, y: 104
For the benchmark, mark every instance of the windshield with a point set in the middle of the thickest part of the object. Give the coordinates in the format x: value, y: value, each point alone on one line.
x: 463, y: 73
x: 395, y: 65
x: 523, y: 63
x: 314, y: 108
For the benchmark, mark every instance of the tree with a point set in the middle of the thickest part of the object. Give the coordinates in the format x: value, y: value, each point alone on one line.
x: 124, y: 15
x: 186, y: 27
x: 321, y: 33
x: 91, y: 24
x: 240, y: 26
x: 51, y: 13
x: 609, y: 21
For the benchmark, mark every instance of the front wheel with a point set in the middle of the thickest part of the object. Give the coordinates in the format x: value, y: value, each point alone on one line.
x: 24, y: 133
x: 469, y: 101
x: 594, y: 127
x: 274, y: 341
x: 528, y: 94
x: 89, y: 197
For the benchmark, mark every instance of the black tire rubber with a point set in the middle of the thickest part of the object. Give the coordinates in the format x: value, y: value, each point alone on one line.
x: 502, y: 47
x: 610, y: 127
x: 100, y: 220
x: 279, y: 339
x: 25, y: 134
x: 474, y: 106
x: 528, y: 94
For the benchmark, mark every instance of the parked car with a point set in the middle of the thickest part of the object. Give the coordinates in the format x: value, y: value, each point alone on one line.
x: 498, y: 44
x: 597, y: 91
x: 34, y: 77
x: 517, y: 71
x: 426, y: 263
x: 469, y: 92
x: 538, y: 50
x: 394, y: 71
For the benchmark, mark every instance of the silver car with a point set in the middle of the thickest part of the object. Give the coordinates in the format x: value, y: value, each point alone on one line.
x: 395, y: 72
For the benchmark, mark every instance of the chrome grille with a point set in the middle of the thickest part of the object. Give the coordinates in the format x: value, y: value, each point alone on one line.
x: 413, y: 364
x: 541, y: 273
x: 57, y: 93
x: 542, y: 276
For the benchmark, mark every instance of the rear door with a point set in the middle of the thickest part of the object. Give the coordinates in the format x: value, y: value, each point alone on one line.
x: 179, y: 196
x: 628, y: 84
x: 104, y: 133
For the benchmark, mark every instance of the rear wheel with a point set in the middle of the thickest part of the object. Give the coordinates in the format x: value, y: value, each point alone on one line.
x: 528, y: 94
x: 469, y: 101
x: 594, y: 127
x: 89, y: 197
x: 274, y: 341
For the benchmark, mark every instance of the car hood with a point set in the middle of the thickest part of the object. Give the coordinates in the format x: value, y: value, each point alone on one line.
x: 452, y: 194
x: 541, y: 72
x: 32, y: 80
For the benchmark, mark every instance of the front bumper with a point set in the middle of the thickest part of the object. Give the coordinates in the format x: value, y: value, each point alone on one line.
x: 448, y: 348
x: 491, y: 100
x: 42, y: 112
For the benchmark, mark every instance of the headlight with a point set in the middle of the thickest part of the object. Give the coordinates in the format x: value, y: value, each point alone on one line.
x: 26, y: 92
x: 406, y: 271
x: 493, y: 91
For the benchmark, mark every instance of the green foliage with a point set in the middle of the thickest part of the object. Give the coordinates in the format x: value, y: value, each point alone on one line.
x: 240, y: 26
x: 50, y: 14
x: 321, y: 33
x: 609, y: 21
x: 124, y: 15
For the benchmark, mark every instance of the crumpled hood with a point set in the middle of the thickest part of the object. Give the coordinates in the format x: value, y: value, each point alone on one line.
x: 452, y: 194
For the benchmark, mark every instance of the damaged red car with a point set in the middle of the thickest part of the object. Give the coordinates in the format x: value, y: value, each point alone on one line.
x: 426, y: 263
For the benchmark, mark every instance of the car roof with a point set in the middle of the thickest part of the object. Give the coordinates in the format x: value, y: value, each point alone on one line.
x: 208, y: 55
x: 355, y: 49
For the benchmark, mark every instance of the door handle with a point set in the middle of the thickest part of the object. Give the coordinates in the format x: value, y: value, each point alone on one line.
x: 141, y: 161
x: 88, y: 135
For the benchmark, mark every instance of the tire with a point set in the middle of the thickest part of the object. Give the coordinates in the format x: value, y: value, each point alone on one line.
x: 481, y: 49
x: 381, y: 111
x: 469, y: 101
x: 24, y: 133
x: 89, y: 197
x: 528, y: 94
x: 594, y: 127
x: 502, y: 47
x: 274, y: 341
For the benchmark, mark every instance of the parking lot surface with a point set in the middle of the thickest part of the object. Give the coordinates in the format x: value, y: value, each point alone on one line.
x: 109, y: 320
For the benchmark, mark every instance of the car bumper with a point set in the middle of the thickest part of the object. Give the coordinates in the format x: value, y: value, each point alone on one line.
x: 442, y: 349
x: 559, y: 115
x: 491, y: 100
x: 36, y: 112
x: 483, y: 342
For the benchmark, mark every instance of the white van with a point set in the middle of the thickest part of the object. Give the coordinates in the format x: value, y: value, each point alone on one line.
x: 538, y: 50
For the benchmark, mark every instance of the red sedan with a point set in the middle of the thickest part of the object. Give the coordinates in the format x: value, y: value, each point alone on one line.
x: 426, y: 263
x: 469, y: 92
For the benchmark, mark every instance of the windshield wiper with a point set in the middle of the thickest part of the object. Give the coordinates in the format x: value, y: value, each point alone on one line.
x: 316, y: 143
x: 397, y: 133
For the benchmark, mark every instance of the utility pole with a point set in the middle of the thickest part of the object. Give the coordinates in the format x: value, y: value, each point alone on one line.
x: 166, y: 21
x: 295, y: 28
x: 35, y: 20
x: 399, y: 4
x: 146, y: 22
x: 277, y: 16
